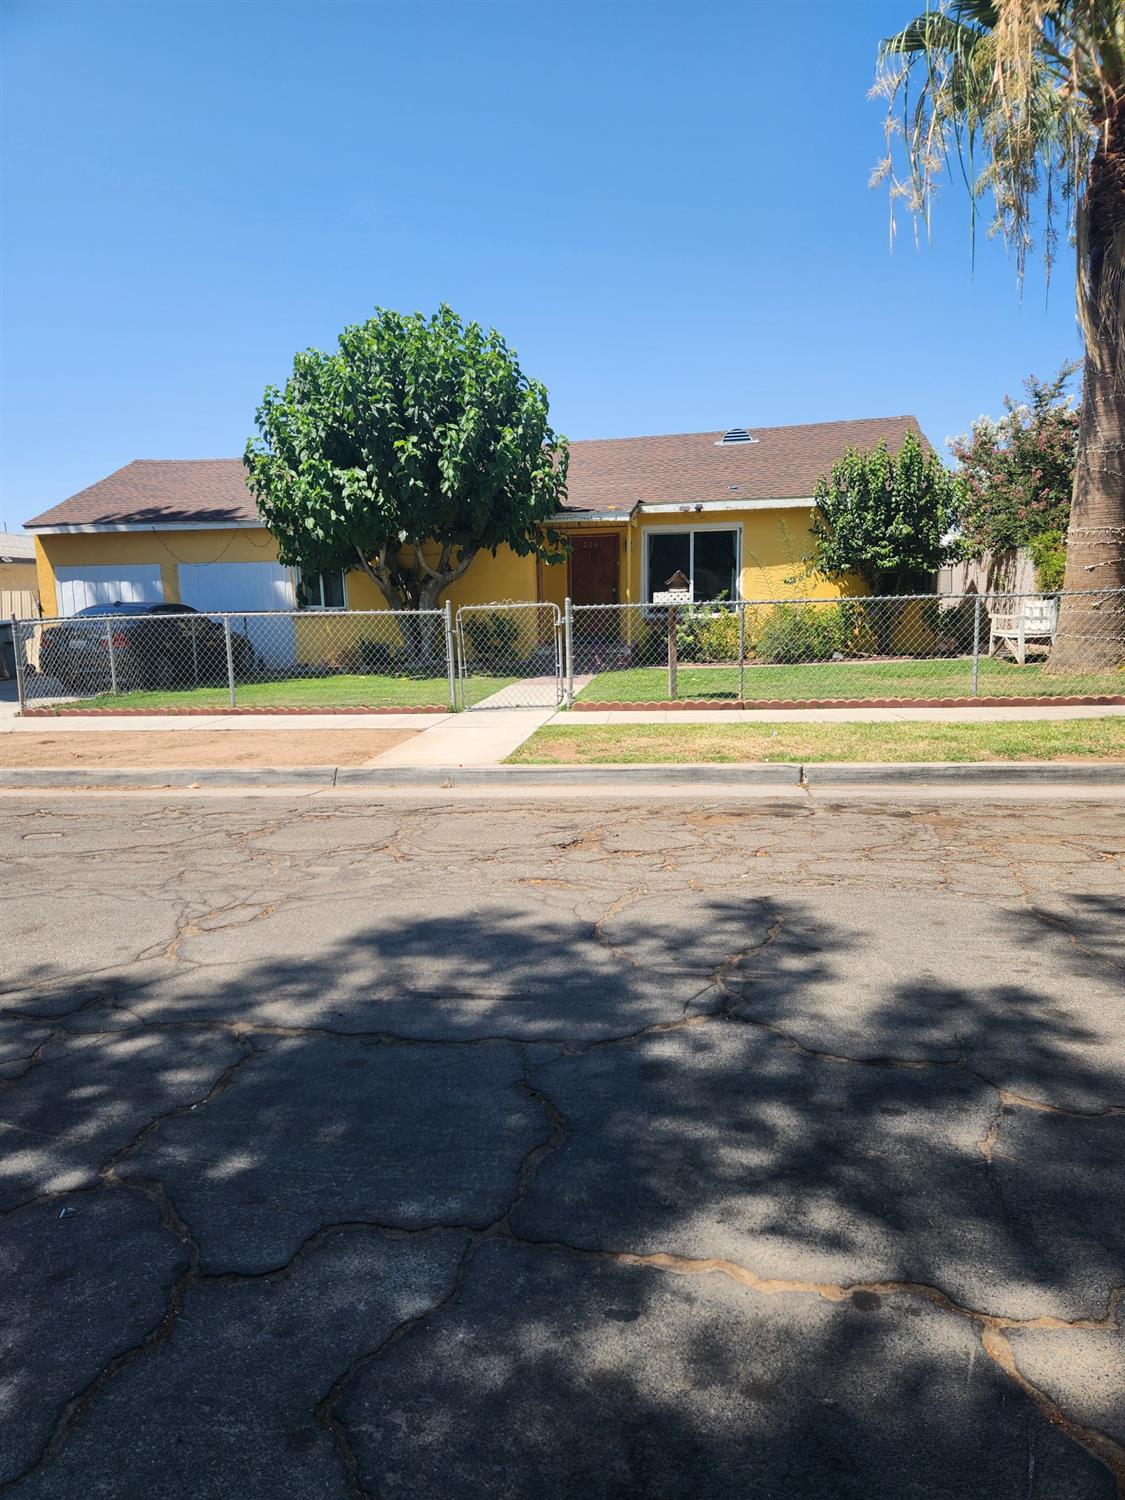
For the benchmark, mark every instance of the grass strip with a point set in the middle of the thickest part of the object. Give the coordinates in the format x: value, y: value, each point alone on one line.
x: 695, y: 744
x: 299, y: 692
x: 937, y: 678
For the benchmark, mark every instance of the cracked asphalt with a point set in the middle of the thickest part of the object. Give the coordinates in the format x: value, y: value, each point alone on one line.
x: 474, y: 1149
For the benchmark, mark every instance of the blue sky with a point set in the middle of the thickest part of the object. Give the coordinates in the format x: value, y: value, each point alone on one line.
x: 663, y: 207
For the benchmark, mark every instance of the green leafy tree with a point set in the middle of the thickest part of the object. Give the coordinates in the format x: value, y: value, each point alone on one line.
x: 415, y: 445
x: 1017, y: 472
x: 884, y: 516
x: 1027, y: 99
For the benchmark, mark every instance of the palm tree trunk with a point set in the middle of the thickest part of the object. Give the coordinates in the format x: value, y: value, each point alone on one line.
x: 1091, y: 633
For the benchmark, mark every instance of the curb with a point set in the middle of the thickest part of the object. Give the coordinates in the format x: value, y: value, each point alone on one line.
x: 945, y: 773
x: 994, y: 773
x: 399, y: 776
x: 119, y: 776
x: 781, y: 774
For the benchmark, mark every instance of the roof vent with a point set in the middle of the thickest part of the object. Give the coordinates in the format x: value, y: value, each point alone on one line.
x: 735, y: 435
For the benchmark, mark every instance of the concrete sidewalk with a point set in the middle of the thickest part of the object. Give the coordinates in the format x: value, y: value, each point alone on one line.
x: 482, y: 738
x: 234, y: 723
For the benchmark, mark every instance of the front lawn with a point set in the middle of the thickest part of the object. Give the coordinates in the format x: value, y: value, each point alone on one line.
x: 294, y: 692
x: 934, y: 678
x: 690, y: 744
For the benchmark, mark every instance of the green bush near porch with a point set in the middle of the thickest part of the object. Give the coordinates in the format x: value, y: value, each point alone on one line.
x: 800, y: 633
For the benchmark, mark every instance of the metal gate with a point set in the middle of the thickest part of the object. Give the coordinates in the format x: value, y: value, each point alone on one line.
x: 510, y: 655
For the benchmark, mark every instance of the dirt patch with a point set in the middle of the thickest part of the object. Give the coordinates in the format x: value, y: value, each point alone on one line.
x: 192, y: 749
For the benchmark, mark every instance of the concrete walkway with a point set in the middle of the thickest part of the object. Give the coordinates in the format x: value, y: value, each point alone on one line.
x: 529, y: 692
x: 469, y: 739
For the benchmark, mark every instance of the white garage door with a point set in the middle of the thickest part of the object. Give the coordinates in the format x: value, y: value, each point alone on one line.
x: 240, y: 588
x: 78, y: 588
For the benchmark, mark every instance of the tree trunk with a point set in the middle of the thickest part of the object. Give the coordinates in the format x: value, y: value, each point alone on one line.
x: 430, y: 592
x: 410, y: 593
x: 430, y: 632
x: 1091, y: 631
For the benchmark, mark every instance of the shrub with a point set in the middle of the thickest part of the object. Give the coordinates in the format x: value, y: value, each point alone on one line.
x: 707, y: 633
x: 647, y: 648
x: 687, y: 638
x: 954, y: 632
x: 493, y: 636
x: 718, y: 637
x: 378, y: 658
x: 1017, y: 472
x: 800, y: 632
x: 1048, y: 553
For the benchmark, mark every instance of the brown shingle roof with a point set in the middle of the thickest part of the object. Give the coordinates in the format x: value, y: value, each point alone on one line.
x: 160, y: 492
x: 605, y: 474
x: 784, y: 464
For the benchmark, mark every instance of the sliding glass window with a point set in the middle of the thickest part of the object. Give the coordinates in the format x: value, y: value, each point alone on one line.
x: 708, y: 555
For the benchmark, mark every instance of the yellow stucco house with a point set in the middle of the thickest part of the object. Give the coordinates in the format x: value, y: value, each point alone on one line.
x: 729, y: 509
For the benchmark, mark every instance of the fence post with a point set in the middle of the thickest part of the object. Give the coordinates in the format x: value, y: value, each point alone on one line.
x: 450, y: 663
x: 976, y: 646
x: 195, y: 653
x: 112, y: 657
x: 741, y: 651
x: 230, y: 658
x: 568, y: 649
x: 17, y: 652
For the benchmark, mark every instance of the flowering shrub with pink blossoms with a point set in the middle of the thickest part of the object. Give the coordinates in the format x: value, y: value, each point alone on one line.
x: 1016, y: 472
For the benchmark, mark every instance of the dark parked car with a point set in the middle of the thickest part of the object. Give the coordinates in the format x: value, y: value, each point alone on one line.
x: 143, y: 646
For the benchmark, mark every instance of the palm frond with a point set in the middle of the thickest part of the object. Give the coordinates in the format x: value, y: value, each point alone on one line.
x: 1010, y: 90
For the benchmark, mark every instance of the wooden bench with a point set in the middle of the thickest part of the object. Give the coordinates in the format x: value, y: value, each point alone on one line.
x: 1015, y: 622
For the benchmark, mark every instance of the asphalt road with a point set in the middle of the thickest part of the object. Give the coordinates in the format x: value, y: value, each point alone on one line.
x: 485, y: 1150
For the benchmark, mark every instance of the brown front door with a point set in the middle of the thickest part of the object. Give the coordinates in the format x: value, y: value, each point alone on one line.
x: 592, y: 580
x: 593, y: 569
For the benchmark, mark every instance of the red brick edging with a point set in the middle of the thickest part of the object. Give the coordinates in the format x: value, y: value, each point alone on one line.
x: 210, y: 713
x: 584, y: 706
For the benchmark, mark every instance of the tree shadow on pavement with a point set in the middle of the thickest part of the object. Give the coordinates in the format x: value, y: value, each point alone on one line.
x: 721, y: 1198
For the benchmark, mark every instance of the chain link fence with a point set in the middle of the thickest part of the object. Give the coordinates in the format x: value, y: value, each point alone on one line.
x: 922, y: 646
x: 169, y: 658
x: 512, y: 654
